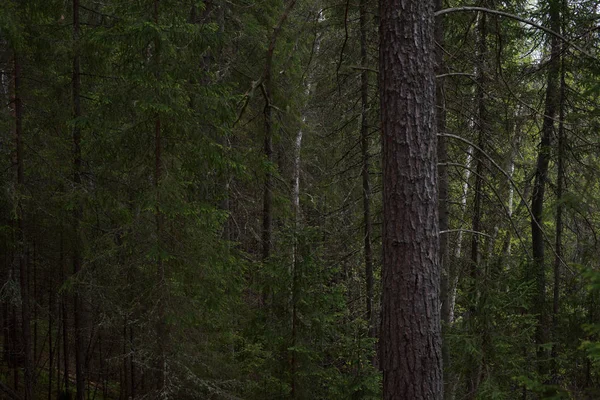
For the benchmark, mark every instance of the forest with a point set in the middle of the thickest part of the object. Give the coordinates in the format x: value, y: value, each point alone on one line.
x: 299, y: 199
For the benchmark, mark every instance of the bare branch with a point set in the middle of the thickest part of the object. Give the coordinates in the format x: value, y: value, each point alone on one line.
x: 512, y: 182
x: 464, y: 230
x: 455, y: 74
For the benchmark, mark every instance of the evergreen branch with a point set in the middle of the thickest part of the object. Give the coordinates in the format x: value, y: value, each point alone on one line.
x: 517, y: 18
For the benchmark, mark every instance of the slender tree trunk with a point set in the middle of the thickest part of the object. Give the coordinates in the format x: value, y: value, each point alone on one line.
x: 58, y: 345
x: 296, y: 257
x: 7, y: 259
x: 267, y: 228
x: 560, y: 186
x: 65, y: 323
x: 442, y: 153
x: 162, y: 334
x: 14, y: 342
x: 124, y: 389
x: 510, y: 169
x: 50, y: 343
x: 481, y: 137
x: 77, y: 212
x: 474, y: 377
x: 457, y: 269
x: 34, y: 301
x: 5, y: 314
x: 537, y: 199
x: 366, y: 185
x: 132, y: 364
x: 411, y: 328
x: 267, y: 213
x: 23, y: 266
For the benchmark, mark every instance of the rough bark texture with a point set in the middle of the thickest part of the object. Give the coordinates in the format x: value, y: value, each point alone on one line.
x: 411, y: 329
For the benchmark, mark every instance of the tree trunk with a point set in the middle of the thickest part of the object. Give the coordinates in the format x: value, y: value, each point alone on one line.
x: 411, y: 326
x: 161, y: 329
x: 442, y: 153
x: 560, y: 185
x: 537, y: 199
x: 267, y: 213
x: 33, y: 272
x: 364, y: 137
x: 65, y: 324
x: 474, y: 377
x: 50, y: 343
x: 23, y: 267
x: 77, y: 211
x: 131, y: 364
x: 296, y: 258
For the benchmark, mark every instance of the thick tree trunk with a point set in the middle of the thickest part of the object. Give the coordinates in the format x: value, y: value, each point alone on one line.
x: 539, y: 188
x: 411, y: 327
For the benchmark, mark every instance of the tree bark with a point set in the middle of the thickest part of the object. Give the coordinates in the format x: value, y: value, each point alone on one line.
x: 457, y: 270
x: 50, y: 343
x: 267, y: 213
x: 474, y: 377
x: 296, y: 258
x: 411, y: 326
x: 161, y: 328
x: 65, y: 325
x: 442, y: 154
x: 537, y: 199
x: 77, y: 211
x: 560, y: 186
x: 23, y: 267
x: 366, y: 185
